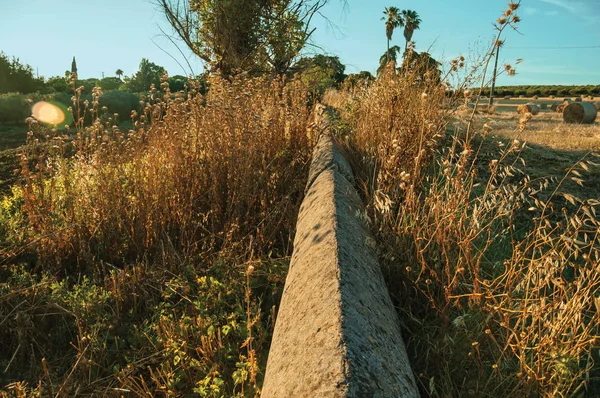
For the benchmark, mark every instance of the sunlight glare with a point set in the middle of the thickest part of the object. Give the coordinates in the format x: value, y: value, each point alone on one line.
x: 47, y: 112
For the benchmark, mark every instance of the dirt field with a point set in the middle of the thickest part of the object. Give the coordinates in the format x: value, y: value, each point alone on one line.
x: 546, y: 129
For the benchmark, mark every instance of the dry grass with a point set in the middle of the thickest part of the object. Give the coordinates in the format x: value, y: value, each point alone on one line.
x: 546, y: 129
x: 151, y: 260
x: 495, y: 270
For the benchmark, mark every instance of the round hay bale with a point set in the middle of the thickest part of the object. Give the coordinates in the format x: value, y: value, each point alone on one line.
x: 554, y: 106
x: 580, y: 112
x: 591, y: 97
x: 528, y: 108
x: 567, y: 101
x: 535, y: 97
x: 521, y: 96
x: 507, y: 97
x: 561, y: 108
x: 597, y: 105
x: 578, y: 99
x: 552, y: 96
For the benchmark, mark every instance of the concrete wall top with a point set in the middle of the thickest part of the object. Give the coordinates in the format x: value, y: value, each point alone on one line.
x: 337, y: 333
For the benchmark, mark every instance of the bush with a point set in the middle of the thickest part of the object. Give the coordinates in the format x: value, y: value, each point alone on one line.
x: 121, y: 102
x: 13, y: 108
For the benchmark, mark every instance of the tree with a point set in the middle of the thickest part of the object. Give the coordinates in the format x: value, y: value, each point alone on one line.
x: 177, y: 83
x: 119, y: 73
x: 73, y: 66
x: 356, y: 79
x: 423, y: 65
x: 110, y: 83
x: 17, y: 77
x: 234, y: 36
x: 412, y: 22
x: 392, y: 19
x: 149, y: 73
x: 332, y: 65
x: 391, y: 55
x: 58, y: 84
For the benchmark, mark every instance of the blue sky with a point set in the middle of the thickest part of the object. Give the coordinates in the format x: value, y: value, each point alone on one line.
x: 111, y: 34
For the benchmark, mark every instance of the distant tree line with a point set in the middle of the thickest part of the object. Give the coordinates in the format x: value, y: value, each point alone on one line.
x: 17, y: 77
x: 121, y: 94
x: 545, y: 90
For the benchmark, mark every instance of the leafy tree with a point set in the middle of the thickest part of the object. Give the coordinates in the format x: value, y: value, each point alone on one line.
x: 17, y: 77
x: 58, y: 84
x: 88, y: 84
x: 353, y: 79
x: 423, y: 65
x: 234, y: 36
x: 110, y: 83
x: 392, y: 19
x: 332, y: 65
x: 177, y: 83
x: 412, y: 22
x: 149, y: 73
x: 319, y: 73
x: 391, y: 55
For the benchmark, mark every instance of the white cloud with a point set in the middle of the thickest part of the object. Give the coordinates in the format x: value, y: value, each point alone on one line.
x: 568, y: 5
x: 588, y: 10
x: 530, y: 10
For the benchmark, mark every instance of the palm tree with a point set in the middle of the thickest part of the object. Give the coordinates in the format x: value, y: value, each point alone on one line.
x: 412, y: 22
x: 119, y: 73
x: 392, y: 21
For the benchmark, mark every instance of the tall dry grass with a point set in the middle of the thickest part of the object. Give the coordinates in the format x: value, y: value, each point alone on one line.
x: 495, y: 274
x: 151, y: 261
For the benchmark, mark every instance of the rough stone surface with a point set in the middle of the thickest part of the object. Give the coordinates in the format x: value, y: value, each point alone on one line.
x: 337, y: 333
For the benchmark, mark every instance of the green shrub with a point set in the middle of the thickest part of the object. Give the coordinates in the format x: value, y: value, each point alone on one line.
x: 13, y: 108
x: 121, y: 102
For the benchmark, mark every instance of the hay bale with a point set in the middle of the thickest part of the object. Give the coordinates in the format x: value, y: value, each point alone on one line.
x: 597, y: 105
x: 528, y: 108
x: 535, y: 97
x: 521, y: 96
x: 561, y: 108
x: 580, y: 112
x: 507, y: 97
x: 578, y: 99
x: 552, y: 96
x: 591, y: 97
x: 567, y: 101
x: 554, y: 106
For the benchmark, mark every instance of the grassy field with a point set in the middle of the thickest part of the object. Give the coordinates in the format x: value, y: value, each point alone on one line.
x: 152, y: 262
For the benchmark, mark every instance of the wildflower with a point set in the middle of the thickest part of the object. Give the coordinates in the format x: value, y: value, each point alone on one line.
x: 502, y: 20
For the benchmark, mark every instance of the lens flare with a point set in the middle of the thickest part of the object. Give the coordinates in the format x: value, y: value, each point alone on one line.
x: 47, y: 112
